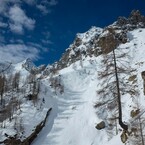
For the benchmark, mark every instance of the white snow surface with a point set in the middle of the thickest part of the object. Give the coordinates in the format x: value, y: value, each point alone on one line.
x: 73, y: 117
x: 86, y: 38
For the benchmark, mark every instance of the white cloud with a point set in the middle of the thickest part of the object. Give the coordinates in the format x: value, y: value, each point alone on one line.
x: 49, y: 2
x: 15, y: 18
x: 46, y: 41
x: 16, y: 28
x: 52, y: 2
x: 30, y: 2
x: 43, y: 9
x: 3, y: 25
x: 4, y: 5
x: 42, y: 49
x: 18, y: 52
x: 45, y: 5
x: 19, y: 20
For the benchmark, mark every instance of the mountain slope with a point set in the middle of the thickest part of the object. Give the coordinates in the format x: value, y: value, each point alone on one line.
x: 74, y: 109
x: 75, y: 119
x: 71, y: 88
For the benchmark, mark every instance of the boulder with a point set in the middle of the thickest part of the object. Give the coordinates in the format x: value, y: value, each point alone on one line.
x: 132, y: 78
x: 100, y: 125
x: 134, y: 113
x: 124, y: 137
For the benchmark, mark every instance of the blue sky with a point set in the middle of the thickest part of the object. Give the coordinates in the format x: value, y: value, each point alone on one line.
x: 43, y: 29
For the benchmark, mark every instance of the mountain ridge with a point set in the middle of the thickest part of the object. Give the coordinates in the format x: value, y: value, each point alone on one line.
x: 92, y: 41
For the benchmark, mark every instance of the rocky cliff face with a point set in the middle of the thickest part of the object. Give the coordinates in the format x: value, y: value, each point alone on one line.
x: 97, y: 40
x: 135, y: 20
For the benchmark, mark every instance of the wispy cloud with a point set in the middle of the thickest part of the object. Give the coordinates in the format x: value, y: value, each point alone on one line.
x: 43, y: 9
x: 3, y: 25
x: 44, y: 4
x: 47, y: 36
x: 19, y: 20
x: 36, y: 45
x: 30, y: 2
x: 51, y: 2
x: 46, y: 41
x: 5, y: 5
x: 15, y: 19
x: 17, y: 52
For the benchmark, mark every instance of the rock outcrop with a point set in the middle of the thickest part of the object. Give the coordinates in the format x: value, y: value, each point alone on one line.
x: 100, y: 125
x: 16, y: 141
x: 135, y: 20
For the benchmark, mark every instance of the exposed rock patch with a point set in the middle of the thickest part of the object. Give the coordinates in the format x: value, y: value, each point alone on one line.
x: 124, y: 136
x: 133, y: 78
x: 135, y: 20
x: 100, y: 125
x: 134, y: 113
x: 107, y: 43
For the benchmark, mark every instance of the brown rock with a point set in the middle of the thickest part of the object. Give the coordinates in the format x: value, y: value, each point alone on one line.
x: 100, y: 125
x: 134, y: 113
x: 108, y: 43
x: 124, y: 137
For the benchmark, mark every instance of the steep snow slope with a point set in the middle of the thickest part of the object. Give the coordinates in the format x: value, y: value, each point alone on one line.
x: 18, y: 110
x: 73, y: 117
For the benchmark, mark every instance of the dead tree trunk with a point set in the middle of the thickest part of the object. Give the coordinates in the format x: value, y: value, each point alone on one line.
x: 124, y: 126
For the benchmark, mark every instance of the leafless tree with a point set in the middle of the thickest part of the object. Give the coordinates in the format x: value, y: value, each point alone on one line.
x: 16, y: 79
x: 118, y: 89
x: 137, y: 133
x: 115, y: 67
x: 2, y: 87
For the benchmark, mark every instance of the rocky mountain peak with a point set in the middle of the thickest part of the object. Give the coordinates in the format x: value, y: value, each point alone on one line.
x: 31, y: 67
x: 28, y: 64
x: 136, y: 17
x: 99, y: 40
x: 135, y: 20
